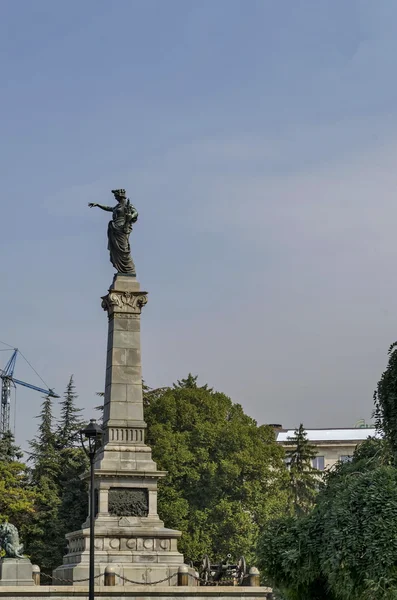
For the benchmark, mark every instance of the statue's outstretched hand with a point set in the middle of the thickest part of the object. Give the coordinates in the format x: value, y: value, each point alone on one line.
x: 92, y: 204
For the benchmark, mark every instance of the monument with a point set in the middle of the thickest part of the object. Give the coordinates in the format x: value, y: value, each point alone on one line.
x: 15, y: 568
x: 129, y: 534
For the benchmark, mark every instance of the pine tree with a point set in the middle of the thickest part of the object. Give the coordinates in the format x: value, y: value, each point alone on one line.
x: 44, y: 447
x: 57, y: 466
x: 43, y: 537
x: 303, y: 477
x: 190, y: 383
x: 100, y: 408
x: 9, y: 451
x: 72, y: 489
x: 70, y: 421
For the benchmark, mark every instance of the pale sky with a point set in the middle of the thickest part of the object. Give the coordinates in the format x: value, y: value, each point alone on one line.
x: 258, y: 141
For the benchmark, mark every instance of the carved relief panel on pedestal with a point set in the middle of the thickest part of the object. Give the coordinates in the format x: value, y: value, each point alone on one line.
x: 128, y: 502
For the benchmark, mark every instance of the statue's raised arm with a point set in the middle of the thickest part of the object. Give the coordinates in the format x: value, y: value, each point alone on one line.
x: 119, y: 229
x: 108, y: 208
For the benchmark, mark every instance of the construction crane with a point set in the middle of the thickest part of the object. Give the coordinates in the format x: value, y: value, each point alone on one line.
x: 8, y: 381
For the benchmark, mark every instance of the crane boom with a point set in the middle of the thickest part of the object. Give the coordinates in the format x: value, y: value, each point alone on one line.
x: 8, y: 381
x: 50, y: 393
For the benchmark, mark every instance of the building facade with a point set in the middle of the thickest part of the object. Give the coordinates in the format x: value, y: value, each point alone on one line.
x: 332, y: 445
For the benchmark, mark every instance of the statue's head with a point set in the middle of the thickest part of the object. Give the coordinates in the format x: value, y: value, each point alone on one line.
x: 6, y: 528
x: 120, y: 195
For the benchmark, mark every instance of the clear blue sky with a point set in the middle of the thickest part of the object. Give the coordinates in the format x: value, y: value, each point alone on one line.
x: 258, y: 140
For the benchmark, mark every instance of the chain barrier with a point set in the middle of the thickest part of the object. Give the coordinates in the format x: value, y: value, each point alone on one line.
x: 71, y: 581
x: 202, y: 581
x: 147, y: 582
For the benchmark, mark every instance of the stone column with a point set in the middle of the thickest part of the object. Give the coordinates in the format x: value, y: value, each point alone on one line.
x: 123, y: 421
x: 123, y: 408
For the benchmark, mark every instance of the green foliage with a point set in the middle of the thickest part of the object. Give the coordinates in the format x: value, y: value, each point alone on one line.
x: 357, y: 515
x: 9, y: 451
x: 42, y: 537
x: 44, y: 453
x: 226, y: 476
x: 303, y: 478
x: 288, y: 559
x: 385, y: 400
x: 73, y: 491
x: 57, y: 466
x: 18, y: 498
x: 345, y: 548
x: 70, y: 421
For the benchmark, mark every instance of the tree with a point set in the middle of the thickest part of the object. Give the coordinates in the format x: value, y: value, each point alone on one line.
x: 9, y: 451
x: 73, y: 493
x: 57, y: 466
x: 72, y: 489
x: 345, y: 548
x: 70, y: 421
x: 303, y: 478
x: 43, y: 535
x: 18, y: 498
x: 44, y: 446
x: 385, y: 400
x: 226, y: 476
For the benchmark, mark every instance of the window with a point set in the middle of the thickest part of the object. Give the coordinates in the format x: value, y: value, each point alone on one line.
x: 318, y: 463
x: 346, y: 458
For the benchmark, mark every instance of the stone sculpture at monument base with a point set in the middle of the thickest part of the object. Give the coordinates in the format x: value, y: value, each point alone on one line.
x: 16, y: 572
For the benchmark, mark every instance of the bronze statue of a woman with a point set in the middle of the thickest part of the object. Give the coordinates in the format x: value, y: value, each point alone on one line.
x: 119, y: 229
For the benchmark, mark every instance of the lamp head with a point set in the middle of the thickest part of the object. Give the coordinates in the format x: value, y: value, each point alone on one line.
x: 92, y: 435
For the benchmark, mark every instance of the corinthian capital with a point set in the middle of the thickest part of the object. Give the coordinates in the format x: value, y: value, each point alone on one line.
x: 124, y: 302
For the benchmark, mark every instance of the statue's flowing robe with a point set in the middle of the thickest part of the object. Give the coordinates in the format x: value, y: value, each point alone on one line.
x: 119, y: 230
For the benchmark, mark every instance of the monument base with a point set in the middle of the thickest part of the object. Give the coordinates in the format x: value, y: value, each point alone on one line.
x: 137, y: 554
x: 129, y: 534
x: 140, y: 592
x: 16, y: 571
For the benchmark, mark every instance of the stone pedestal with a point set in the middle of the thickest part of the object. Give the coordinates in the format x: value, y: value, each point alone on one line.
x: 16, y: 571
x: 128, y: 531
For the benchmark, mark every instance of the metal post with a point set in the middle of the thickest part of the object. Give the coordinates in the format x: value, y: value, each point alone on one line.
x: 92, y: 538
x: 92, y: 435
x: 183, y: 575
x: 110, y: 576
x: 254, y: 577
x: 36, y: 574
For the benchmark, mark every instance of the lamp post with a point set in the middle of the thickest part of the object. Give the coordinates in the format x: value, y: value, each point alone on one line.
x: 91, y: 441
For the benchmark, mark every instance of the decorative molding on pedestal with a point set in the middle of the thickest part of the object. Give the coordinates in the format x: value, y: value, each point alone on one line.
x: 125, y: 434
x: 124, y: 302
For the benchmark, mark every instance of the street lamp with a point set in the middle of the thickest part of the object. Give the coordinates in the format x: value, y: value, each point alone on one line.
x: 91, y: 441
